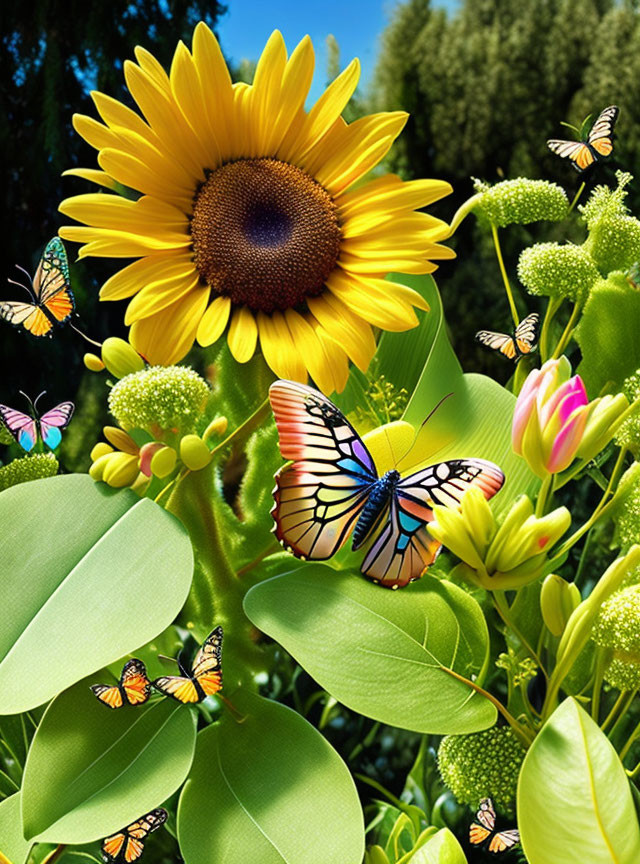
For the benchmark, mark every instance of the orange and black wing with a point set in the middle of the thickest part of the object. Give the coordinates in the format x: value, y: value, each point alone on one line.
x: 601, y: 134
x: 127, y: 845
x: 27, y: 315
x: 207, y: 666
x: 478, y: 834
x: 504, y: 840
x: 179, y: 687
x: 110, y: 695
x: 498, y: 342
x: 51, y: 283
x: 526, y: 333
x: 577, y: 152
x: 134, y: 682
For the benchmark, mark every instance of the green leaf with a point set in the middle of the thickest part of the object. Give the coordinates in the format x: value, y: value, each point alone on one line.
x: 442, y: 848
x: 268, y: 789
x: 13, y: 847
x: 92, y: 769
x: 574, y: 801
x: 89, y: 575
x: 608, y: 335
x: 381, y: 652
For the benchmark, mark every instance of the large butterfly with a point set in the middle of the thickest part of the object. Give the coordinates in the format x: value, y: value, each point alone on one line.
x: 205, y: 677
x: 485, y: 827
x: 51, y: 300
x: 25, y: 428
x: 523, y: 341
x: 332, y: 490
x: 598, y: 143
x: 127, y: 845
x: 134, y: 688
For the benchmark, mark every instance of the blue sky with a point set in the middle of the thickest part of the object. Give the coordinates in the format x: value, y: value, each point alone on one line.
x: 356, y: 24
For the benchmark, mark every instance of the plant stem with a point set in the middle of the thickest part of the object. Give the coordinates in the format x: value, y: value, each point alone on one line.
x: 576, y: 197
x: 502, y: 606
x: 552, y: 307
x: 568, y: 332
x: 57, y: 852
x: 525, y: 735
x: 462, y: 212
x: 614, y: 710
x: 242, y: 432
x: 629, y: 742
x: 543, y: 494
x: 505, y: 278
x: 629, y: 697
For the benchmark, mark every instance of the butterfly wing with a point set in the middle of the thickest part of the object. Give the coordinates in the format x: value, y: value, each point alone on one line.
x: 127, y: 846
x: 526, y: 333
x: 319, y: 497
x: 478, y: 834
x: 51, y: 282
x: 206, y: 668
x: 403, y: 549
x: 179, y: 687
x: 108, y: 695
x: 134, y: 682
x: 112, y: 846
x: 601, y: 134
x: 28, y: 315
x: 53, y: 421
x: 498, y: 342
x: 504, y: 840
x: 486, y: 814
x: 577, y: 152
x: 22, y: 427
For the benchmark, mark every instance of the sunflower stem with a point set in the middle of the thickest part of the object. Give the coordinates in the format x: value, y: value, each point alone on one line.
x: 505, y: 278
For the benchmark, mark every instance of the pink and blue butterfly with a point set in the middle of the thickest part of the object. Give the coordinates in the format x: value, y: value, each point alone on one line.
x: 27, y: 428
x: 332, y: 490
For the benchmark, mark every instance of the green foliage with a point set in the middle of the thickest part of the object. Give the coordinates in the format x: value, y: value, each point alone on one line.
x: 574, y: 801
x: 63, y: 619
x: 254, y: 778
x: 92, y: 770
x: 13, y: 846
x: 441, y: 848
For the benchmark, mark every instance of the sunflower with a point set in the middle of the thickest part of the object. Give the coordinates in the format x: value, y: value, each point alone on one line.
x: 245, y: 213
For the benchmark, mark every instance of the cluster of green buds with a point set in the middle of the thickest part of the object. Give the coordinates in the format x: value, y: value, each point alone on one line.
x: 626, y: 514
x: 555, y: 270
x: 498, y: 556
x: 482, y: 765
x: 614, y: 235
x: 158, y: 410
x: 33, y: 467
x: 520, y: 201
x: 628, y: 434
x: 617, y: 631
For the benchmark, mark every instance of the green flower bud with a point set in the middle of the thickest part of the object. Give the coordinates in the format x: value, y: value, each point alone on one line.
x: 604, y: 202
x: 215, y: 429
x: 482, y: 765
x: 160, y: 397
x: 628, y: 435
x: 627, y: 512
x: 552, y: 270
x: 617, y: 628
x: 614, y: 243
x: 27, y: 468
x: 558, y: 599
x: 605, y: 412
x: 100, y: 449
x: 119, y: 469
x: 375, y: 855
x: 93, y: 362
x: 120, y: 357
x: 163, y: 461
x: 520, y: 201
x: 194, y: 452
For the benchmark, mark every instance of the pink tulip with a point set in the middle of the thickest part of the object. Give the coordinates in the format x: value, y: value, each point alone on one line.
x: 550, y: 417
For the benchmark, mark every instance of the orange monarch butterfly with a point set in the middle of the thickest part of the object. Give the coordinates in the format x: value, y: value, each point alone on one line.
x: 127, y: 846
x: 523, y: 341
x: 134, y: 688
x: 51, y: 298
x: 205, y: 677
x: 485, y: 827
x: 599, y: 142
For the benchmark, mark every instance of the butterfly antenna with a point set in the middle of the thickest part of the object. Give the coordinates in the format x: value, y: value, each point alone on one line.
x: 21, y: 285
x: 423, y: 424
x: 35, y: 402
x: 168, y: 659
x: 26, y: 272
x: 84, y: 335
x: 29, y: 399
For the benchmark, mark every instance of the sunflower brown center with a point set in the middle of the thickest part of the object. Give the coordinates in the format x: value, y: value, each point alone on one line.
x: 264, y: 234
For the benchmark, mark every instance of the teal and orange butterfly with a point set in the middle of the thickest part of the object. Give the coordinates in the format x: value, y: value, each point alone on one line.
x: 332, y: 490
x: 50, y: 297
x: 598, y: 143
x: 205, y: 677
x: 484, y: 829
x: 127, y: 845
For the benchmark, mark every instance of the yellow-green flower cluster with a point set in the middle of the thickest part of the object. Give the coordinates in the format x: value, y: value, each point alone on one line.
x: 520, y: 201
x: 628, y: 434
x: 159, y: 398
x: 33, y: 467
x: 614, y: 235
x: 617, y: 628
x: 499, y: 556
x: 482, y: 765
x: 554, y: 270
x: 627, y: 512
x: 5, y: 436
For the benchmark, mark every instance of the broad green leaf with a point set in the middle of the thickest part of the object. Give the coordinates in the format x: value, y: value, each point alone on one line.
x: 89, y: 575
x: 608, y: 335
x: 442, y: 848
x: 13, y: 847
x: 268, y: 789
x: 574, y: 801
x: 92, y: 770
x: 382, y: 652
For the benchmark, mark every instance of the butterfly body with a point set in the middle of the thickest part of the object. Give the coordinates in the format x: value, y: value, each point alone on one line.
x: 26, y: 429
x: 597, y: 145
x: 127, y: 845
x: 51, y: 299
x: 332, y: 490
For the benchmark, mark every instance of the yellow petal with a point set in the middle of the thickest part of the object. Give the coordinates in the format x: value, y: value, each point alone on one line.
x: 335, y: 358
x: 390, y: 194
x: 119, y: 116
x: 185, y: 86
x: 215, y: 82
x: 278, y: 347
x: 120, y: 243
x: 132, y: 172
x: 373, y: 301
x: 157, y: 268
x: 93, y: 175
x: 347, y: 330
x: 311, y: 351
x: 243, y: 334
x: 145, y: 215
x: 214, y: 321
x: 94, y: 133
x: 153, y: 298
x: 165, y: 338
x: 265, y: 91
x: 296, y: 82
x: 380, y: 262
